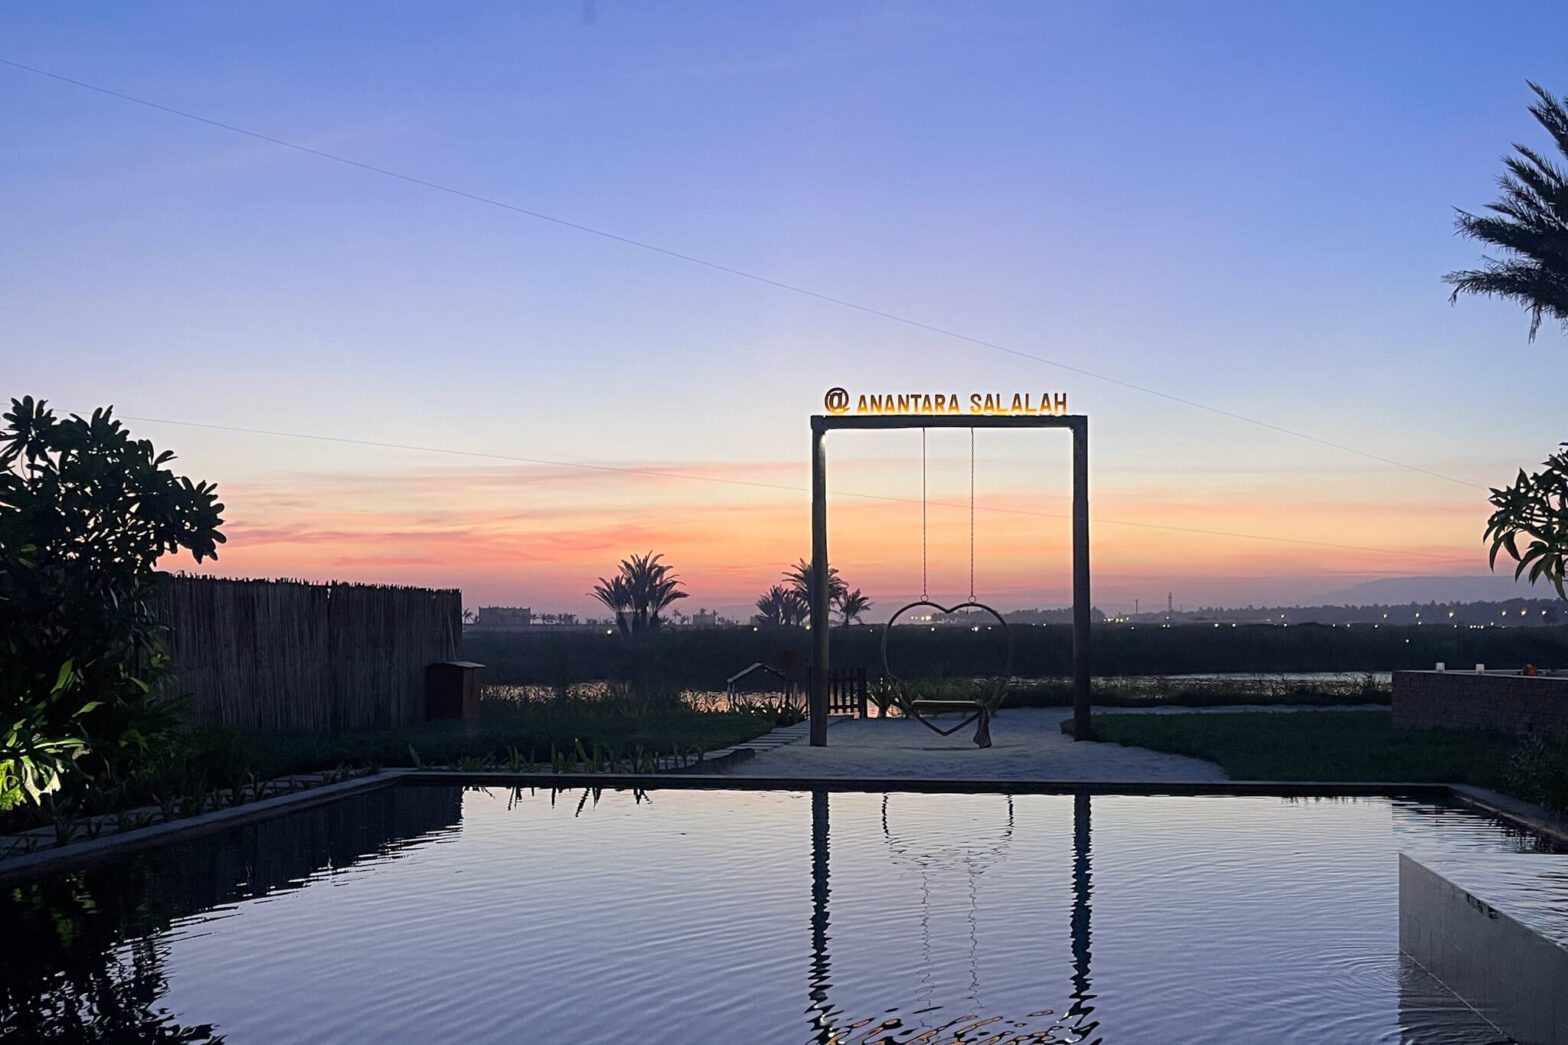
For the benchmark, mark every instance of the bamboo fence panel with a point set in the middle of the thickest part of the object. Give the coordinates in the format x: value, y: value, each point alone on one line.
x: 288, y: 655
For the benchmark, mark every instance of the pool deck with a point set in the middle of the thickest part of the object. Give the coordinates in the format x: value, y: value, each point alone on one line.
x: 1027, y: 744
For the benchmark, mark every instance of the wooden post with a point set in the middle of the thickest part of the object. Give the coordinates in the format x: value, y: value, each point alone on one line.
x: 1082, y: 730
x: 818, y: 702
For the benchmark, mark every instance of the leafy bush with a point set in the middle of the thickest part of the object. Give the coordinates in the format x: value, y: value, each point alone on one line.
x: 85, y: 513
x: 1537, y: 771
x: 779, y: 710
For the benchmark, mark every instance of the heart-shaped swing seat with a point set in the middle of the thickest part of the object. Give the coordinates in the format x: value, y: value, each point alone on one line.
x: 980, y: 710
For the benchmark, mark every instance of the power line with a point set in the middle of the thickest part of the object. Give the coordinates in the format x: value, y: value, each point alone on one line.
x: 737, y: 272
x: 686, y: 476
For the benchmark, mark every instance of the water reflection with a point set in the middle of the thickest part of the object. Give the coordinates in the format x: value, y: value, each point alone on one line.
x: 821, y: 965
x: 604, y: 915
x: 975, y: 853
x: 1082, y: 932
x: 83, y: 952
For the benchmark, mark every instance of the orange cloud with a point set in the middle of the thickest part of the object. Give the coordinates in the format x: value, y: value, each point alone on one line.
x: 538, y: 536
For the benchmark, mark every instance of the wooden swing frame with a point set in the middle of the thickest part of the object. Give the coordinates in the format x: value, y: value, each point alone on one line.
x: 822, y: 424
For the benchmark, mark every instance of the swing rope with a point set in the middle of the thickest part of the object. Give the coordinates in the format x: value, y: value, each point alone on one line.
x: 924, y: 559
x: 925, y: 556
x: 971, y: 515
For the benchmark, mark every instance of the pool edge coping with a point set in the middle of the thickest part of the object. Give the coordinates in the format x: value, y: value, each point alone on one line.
x: 110, y: 847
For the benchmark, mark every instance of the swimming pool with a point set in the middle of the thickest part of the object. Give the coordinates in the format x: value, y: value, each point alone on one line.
x: 434, y: 913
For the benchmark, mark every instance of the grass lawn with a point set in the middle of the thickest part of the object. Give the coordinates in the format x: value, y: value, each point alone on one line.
x: 1322, y: 745
x: 531, y: 729
x: 508, y: 734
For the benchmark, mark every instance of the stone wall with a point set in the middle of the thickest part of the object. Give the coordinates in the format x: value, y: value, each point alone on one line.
x: 1465, y: 700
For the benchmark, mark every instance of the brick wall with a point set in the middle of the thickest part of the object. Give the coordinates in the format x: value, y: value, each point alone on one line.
x: 1465, y: 700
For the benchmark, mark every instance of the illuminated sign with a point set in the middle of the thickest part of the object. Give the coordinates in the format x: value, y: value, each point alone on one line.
x: 1053, y: 404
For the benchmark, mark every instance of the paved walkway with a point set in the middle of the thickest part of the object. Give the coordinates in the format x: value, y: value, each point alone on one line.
x: 1027, y: 744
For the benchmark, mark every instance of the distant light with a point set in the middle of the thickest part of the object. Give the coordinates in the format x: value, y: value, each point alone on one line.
x: 609, y: 631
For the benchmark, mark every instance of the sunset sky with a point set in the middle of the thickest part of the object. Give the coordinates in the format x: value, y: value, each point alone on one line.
x: 1247, y: 206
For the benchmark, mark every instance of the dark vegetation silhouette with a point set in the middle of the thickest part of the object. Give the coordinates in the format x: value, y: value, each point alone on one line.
x: 1528, y: 223
x: 780, y: 607
x: 852, y: 605
x: 639, y: 593
x: 701, y: 658
x: 789, y: 604
x: 85, y: 513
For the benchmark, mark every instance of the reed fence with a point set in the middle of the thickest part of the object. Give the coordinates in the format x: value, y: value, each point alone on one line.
x: 289, y: 655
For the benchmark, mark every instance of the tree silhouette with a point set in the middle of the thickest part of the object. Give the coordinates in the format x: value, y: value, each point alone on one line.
x: 638, y: 593
x: 1529, y: 222
x: 798, y: 577
x: 780, y: 606
x: 852, y: 605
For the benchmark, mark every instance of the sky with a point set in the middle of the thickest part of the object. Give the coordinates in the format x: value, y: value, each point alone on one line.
x: 1244, y: 206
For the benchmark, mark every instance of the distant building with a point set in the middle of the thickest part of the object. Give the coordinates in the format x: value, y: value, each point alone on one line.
x: 705, y: 619
x: 504, y: 617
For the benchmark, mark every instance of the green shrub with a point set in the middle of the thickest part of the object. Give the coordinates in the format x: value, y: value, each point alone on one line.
x: 85, y: 513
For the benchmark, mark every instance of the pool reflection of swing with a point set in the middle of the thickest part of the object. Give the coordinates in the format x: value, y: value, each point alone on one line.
x: 970, y: 855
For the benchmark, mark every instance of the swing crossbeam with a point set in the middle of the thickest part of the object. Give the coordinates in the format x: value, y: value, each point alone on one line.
x: 821, y: 425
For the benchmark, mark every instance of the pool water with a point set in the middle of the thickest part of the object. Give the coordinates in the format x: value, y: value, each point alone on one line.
x: 421, y: 913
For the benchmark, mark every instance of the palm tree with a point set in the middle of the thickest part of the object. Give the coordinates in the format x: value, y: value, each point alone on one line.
x: 798, y: 577
x: 773, y: 607
x: 642, y: 589
x: 1529, y: 222
x: 852, y: 604
x: 616, y: 595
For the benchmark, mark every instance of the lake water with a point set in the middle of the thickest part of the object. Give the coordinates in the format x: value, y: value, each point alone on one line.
x: 422, y: 913
x: 1270, y: 687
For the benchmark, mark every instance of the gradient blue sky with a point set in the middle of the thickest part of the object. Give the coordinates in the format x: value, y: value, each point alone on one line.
x: 1244, y: 204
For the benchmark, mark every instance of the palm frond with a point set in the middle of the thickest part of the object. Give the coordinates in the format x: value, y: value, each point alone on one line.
x: 1529, y: 223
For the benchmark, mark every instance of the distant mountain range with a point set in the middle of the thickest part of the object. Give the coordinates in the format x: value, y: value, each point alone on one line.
x: 1395, y: 591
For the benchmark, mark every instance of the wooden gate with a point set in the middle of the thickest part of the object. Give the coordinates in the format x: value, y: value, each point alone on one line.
x: 847, y: 691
